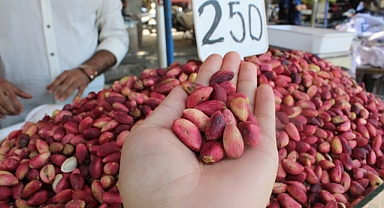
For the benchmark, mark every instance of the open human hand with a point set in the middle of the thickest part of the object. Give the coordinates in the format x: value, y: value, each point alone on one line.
x: 67, y: 82
x: 158, y: 170
x: 9, y: 102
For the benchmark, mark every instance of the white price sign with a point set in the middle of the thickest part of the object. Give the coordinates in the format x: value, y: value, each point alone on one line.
x: 230, y: 25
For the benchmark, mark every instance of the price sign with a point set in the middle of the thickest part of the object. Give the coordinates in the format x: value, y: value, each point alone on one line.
x: 230, y: 25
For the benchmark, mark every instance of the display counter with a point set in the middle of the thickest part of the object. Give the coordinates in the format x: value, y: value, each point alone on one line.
x: 373, y: 200
x: 373, y: 79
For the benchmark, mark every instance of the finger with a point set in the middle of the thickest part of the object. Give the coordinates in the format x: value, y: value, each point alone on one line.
x: 265, y: 111
x: 22, y: 94
x: 209, y: 66
x: 15, y: 102
x: 247, y: 82
x: 169, y: 109
x: 3, y: 111
x: 80, y: 92
x: 231, y: 61
x: 257, y: 164
x: 248, y: 167
x: 65, y: 89
x: 8, y: 107
x: 71, y: 89
x: 56, y: 83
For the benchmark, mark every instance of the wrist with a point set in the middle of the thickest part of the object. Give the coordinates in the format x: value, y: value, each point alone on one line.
x: 88, y: 71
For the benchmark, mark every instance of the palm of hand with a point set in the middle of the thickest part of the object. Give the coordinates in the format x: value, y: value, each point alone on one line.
x: 158, y: 170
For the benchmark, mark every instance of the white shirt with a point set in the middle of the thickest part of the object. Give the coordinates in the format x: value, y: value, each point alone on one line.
x: 39, y: 39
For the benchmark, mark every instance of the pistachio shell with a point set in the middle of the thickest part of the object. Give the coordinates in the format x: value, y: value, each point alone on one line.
x: 69, y: 165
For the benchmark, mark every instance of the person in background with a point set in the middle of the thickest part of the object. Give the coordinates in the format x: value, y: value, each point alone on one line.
x: 294, y: 12
x: 54, y: 51
x: 367, y: 6
x: 283, y: 12
x: 158, y: 170
x: 290, y: 12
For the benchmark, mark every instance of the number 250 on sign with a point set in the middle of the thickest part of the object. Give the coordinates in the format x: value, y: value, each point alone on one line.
x: 222, y: 26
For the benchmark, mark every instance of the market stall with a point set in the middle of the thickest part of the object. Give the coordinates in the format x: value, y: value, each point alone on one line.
x: 367, y: 51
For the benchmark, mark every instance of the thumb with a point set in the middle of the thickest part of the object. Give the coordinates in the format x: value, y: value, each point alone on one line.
x: 169, y: 109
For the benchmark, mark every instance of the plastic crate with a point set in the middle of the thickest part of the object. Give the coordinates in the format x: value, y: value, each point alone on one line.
x: 309, y: 39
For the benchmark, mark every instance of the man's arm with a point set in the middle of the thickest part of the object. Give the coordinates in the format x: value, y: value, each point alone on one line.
x: 79, y: 78
x: 99, y: 63
x: 112, y: 48
x: 113, y: 36
x: 300, y: 6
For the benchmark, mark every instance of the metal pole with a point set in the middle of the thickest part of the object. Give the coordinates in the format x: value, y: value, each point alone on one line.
x: 314, y: 13
x: 326, y: 14
x: 168, y: 32
x: 160, y: 30
x: 266, y: 5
